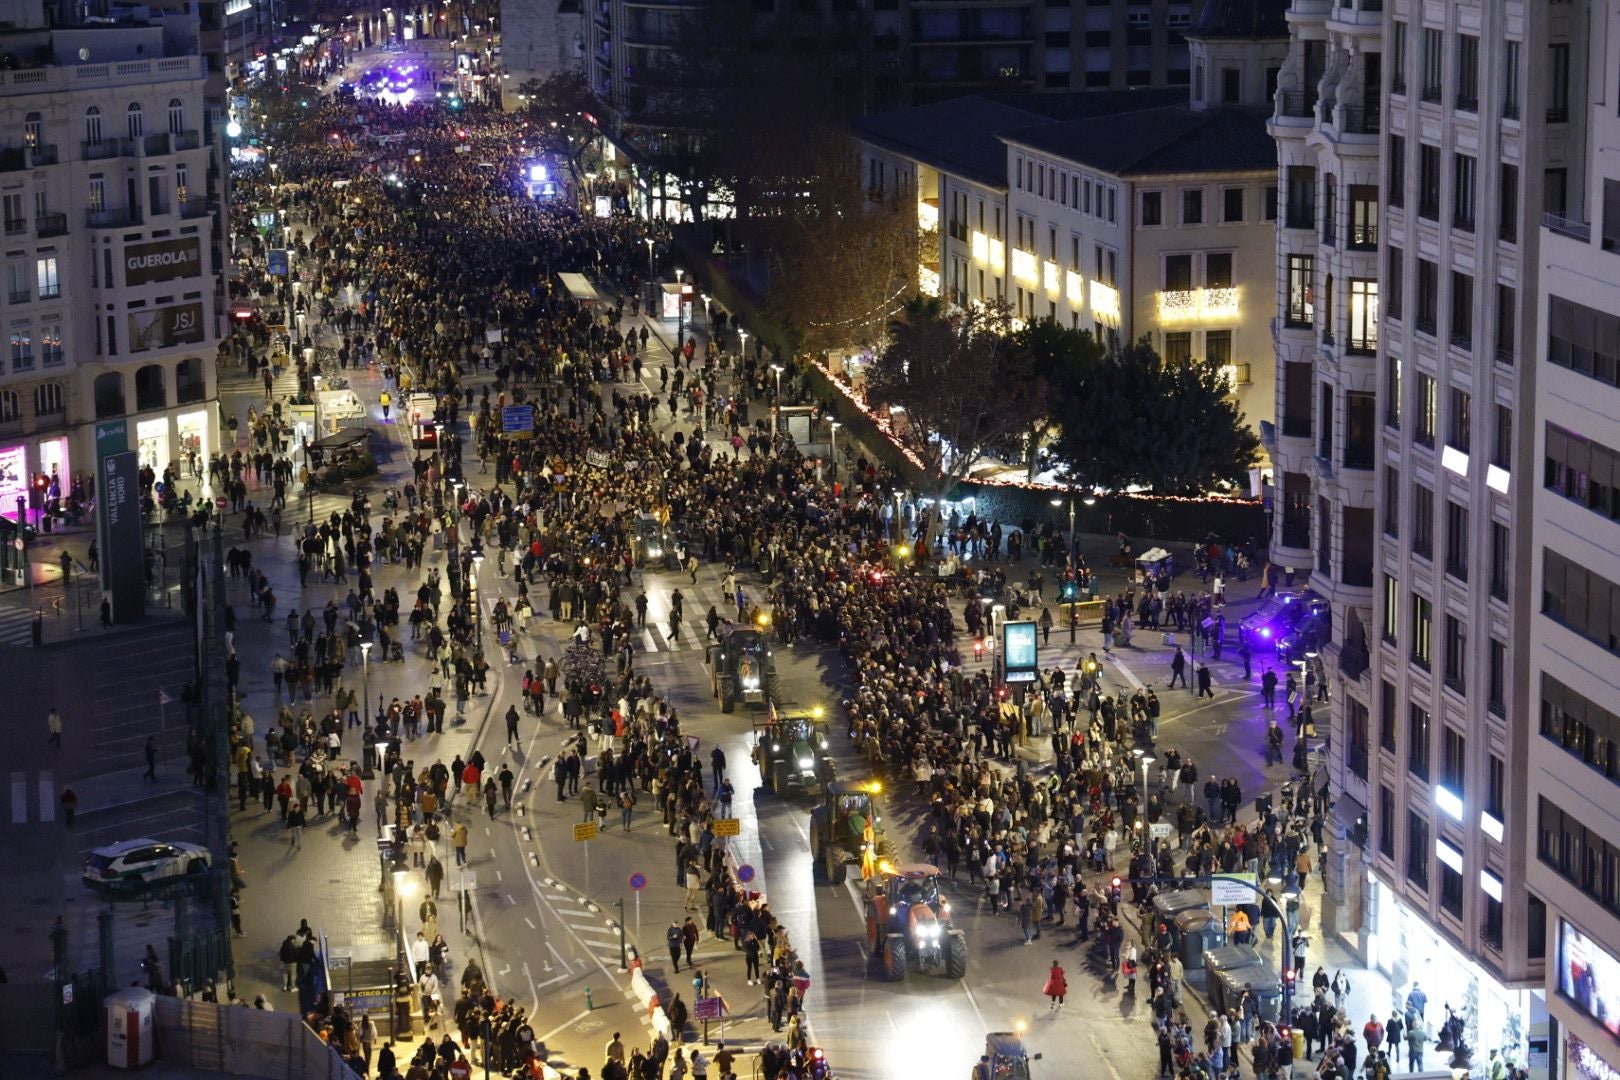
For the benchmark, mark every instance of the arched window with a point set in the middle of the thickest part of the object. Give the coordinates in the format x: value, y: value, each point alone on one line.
x: 10, y: 407
x: 177, y: 116
x: 33, y: 130
x: 189, y: 383
x: 109, y: 392
x: 149, y: 388
x: 137, y: 120
x: 92, y: 125
x: 49, y: 400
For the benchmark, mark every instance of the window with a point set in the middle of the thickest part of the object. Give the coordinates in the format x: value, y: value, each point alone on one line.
x: 1467, y: 73
x: 1392, y: 502
x: 1583, y: 471
x: 1363, y: 315
x: 149, y: 387
x: 1218, y: 270
x: 1428, y: 296
x: 22, y: 349
x: 1397, y: 58
x: 190, y: 384
x: 1501, y: 558
x: 1296, y: 417
x: 177, y: 116
x: 136, y: 120
x: 50, y: 344
x: 1360, y: 436
x: 1507, y: 337
x: 1584, y: 340
x: 1453, y: 759
x: 1386, y: 822
x: 1585, y: 728
x: 20, y: 290
x: 1422, y: 520
x: 1456, y: 673
x: 1428, y: 182
x: 1461, y: 420
x: 109, y: 395
x: 1355, y: 726
x: 1301, y: 197
x: 50, y: 286
x: 1582, y: 600
x: 1330, y: 190
x: 1395, y: 273
x: 1397, y: 171
x: 1271, y: 202
x: 1422, y: 631
x: 1508, y: 222
x: 1434, y: 45
x: 1386, y: 715
x: 1462, y: 206
x: 1426, y: 407
x: 1363, y: 217
x: 1231, y: 86
x: 1496, y: 690
x: 92, y: 125
x: 1301, y: 305
x: 98, y: 195
x: 1232, y: 204
x: 10, y: 407
x: 1510, y: 80
x: 1451, y: 891
x: 1392, y: 392
x: 1178, y: 273
x: 1490, y: 930
x: 1456, y: 540
x: 1392, y: 610
x: 48, y: 400
x: 1558, y: 84
x: 1178, y: 347
x: 1417, y: 850
x: 1192, y: 206
x: 1152, y: 208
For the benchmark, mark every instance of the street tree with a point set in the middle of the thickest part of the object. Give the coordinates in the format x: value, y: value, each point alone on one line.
x: 961, y: 383
x: 559, y: 109
x: 1065, y: 360
x: 1171, y: 428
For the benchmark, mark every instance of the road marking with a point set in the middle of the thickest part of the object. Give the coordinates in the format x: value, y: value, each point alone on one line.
x: 498, y: 877
x: 19, y: 797
x: 47, y: 797
x: 1113, y: 1073
x: 975, y: 1003
x: 1130, y: 676
x: 564, y: 1025
x: 530, y: 922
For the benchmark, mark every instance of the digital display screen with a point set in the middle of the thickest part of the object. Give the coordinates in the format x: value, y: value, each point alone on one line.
x: 1589, y: 977
x: 1019, y: 645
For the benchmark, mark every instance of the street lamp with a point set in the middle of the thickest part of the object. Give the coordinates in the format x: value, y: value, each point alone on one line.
x: 680, y: 311
x: 742, y: 339
x: 650, y: 271
x: 832, y: 445
x: 472, y: 594
x: 365, y: 674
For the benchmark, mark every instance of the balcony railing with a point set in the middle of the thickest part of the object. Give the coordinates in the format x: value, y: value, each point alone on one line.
x: 116, y: 218
x: 51, y: 224
x: 15, y: 226
x: 1298, y: 103
x: 154, y: 145
x: 1570, y: 227
x: 193, y: 208
x: 1360, y: 119
x: 186, y: 140
x: 43, y: 155
x: 101, y: 150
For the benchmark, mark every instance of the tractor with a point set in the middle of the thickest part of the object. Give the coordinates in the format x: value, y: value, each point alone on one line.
x: 792, y: 753
x: 847, y: 828
x: 908, y: 925
x: 1004, y: 1057
x: 742, y: 668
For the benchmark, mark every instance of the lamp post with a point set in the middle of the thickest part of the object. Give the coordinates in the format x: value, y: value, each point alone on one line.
x: 365, y: 674
x: 742, y: 342
x: 832, y: 445
x: 650, y: 271
x: 1070, y: 587
x: 1290, y: 917
x: 472, y: 594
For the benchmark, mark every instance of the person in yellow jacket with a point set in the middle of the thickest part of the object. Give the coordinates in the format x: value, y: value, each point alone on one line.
x: 386, y: 401
x: 1240, y: 927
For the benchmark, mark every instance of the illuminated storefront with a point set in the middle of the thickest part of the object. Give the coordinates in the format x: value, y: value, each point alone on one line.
x: 13, y: 480
x: 194, y: 439
x: 152, y: 443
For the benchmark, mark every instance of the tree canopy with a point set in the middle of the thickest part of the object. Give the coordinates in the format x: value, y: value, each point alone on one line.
x: 1066, y: 361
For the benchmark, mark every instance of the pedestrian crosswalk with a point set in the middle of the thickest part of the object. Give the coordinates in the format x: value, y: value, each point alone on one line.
x: 31, y: 797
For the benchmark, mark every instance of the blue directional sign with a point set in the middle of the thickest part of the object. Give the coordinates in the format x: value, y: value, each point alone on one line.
x: 518, y: 420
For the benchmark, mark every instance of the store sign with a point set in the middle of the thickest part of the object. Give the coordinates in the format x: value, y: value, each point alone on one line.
x: 1587, y: 1062
x: 178, y: 324
x: 1590, y: 978
x: 118, y: 508
x: 163, y: 260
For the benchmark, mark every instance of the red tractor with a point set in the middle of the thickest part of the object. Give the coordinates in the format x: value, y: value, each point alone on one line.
x: 908, y: 924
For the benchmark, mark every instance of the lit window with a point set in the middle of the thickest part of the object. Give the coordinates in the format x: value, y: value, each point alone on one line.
x: 50, y: 286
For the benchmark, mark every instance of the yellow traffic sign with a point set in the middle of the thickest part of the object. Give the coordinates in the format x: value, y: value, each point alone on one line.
x: 728, y: 826
x: 586, y: 831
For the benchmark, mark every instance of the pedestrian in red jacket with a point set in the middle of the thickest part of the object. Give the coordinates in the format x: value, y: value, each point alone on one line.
x: 1057, y: 987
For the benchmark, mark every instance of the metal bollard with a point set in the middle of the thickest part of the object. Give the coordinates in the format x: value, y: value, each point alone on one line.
x: 590, y: 1005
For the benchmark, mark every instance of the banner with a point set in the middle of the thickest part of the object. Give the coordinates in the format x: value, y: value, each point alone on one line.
x: 162, y: 260
x: 178, y: 324
x: 118, y: 507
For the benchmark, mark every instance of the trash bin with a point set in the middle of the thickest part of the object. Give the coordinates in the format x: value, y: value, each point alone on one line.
x: 131, y: 1027
x: 1166, y: 906
x: 1218, y: 963
x: 1299, y: 1045
x: 1197, y: 932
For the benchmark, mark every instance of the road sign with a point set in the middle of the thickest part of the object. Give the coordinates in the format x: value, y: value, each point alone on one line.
x: 1159, y: 830
x: 467, y: 880
x: 337, y: 961
x: 586, y: 831
x: 221, y: 502
x: 745, y: 873
x: 727, y: 826
x: 709, y: 1008
x: 518, y: 421
x: 638, y: 881
x: 276, y: 263
x: 1230, y: 890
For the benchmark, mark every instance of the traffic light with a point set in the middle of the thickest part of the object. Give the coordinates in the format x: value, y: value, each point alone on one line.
x: 1114, y: 888
x: 1070, y: 592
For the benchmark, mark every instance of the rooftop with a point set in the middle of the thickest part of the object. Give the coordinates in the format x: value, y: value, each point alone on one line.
x: 1243, y: 20
x: 1155, y: 142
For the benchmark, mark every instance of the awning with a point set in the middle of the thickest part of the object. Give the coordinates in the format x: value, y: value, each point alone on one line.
x: 341, y: 440
x: 580, y: 290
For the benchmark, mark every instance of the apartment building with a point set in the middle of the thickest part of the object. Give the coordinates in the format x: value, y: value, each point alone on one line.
x: 114, y: 273
x: 1572, y: 838
x: 1437, y: 136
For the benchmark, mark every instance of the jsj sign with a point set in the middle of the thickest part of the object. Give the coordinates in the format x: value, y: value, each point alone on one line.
x: 163, y: 260
x: 178, y: 324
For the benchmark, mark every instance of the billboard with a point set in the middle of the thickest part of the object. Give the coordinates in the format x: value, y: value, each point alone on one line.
x: 118, y: 508
x: 1589, y: 977
x: 1019, y: 651
x: 157, y: 328
x: 162, y: 260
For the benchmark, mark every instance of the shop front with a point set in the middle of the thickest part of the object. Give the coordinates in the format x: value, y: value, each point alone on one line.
x: 1407, y: 949
x: 152, y: 443
x: 193, y: 428
x: 14, y: 483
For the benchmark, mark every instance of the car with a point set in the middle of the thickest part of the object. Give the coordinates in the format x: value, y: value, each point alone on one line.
x: 1306, y: 636
x: 1262, y: 627
x: 134, y: 864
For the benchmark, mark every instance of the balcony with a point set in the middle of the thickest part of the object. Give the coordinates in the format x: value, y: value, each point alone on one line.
x: 1568, y: 227
x: 1360, y: 119
x: 193, y: 208
x: 51, y: 225
x: 16, y: 226
x: 1197, y: 305
x: 1105, y: 301
x: 117, y: 218
x: 100, y: 150
x: 43, y: 155
x: 1298, y: 104
x: 152, y: 145
x: 186, y: 140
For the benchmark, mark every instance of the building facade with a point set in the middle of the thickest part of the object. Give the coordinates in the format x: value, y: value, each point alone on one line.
x: 113, y: 264
x: 1572, y: 838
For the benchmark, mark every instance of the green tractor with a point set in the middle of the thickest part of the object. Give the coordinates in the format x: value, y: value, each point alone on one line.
x: 742, y: 667
x: 792, y: 753
x: 847, y: 828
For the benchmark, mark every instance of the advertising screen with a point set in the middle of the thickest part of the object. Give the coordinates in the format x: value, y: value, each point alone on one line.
x: 13, y: 477
x: 1019, y: 650
x: 178, y: 324
x: 1589, y: 977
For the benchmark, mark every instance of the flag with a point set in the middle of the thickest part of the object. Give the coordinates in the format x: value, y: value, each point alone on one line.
x: 164, y: 697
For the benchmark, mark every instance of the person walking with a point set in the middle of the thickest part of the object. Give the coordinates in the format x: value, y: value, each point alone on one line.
x: 295, y: 826
x: 458, y: 839
x: 1178, y: 668
x: 1203, y: 682
x: 53, y: 725
x: 675, y: 939
x: 1057, y: 985
x: 151, y: 759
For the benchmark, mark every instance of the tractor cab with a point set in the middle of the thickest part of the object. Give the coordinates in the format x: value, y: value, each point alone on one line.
x: 791, y: 752
x: 1005, y: 1056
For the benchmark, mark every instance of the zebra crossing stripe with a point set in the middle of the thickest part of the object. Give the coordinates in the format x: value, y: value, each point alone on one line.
x: 19, y: 797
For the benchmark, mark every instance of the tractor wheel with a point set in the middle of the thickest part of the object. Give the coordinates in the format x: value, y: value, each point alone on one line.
x: 779, y: 778
x: 956, y: 955
x: 837, y: 869
x: 818, y: 860
x: 874, y: 940
x: 894, y: 958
